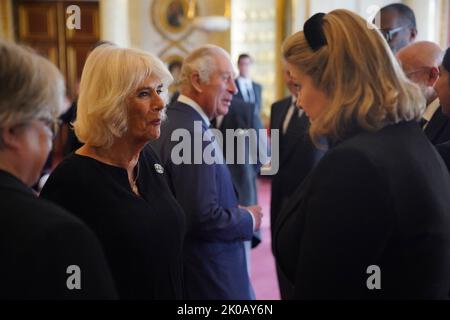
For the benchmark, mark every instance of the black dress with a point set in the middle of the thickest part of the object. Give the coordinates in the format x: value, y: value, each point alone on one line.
x: 142, y: 236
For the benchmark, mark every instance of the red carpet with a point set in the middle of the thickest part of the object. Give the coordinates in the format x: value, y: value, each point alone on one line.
x: 263, y: 275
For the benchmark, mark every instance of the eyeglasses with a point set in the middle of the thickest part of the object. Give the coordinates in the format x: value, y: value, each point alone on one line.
x: 421, y: 69
x: 389, y: 34
x: 52, y: 124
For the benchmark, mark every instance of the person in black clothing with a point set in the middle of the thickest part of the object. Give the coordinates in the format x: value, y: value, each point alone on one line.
x: 114, y: 182
x: 442, y: 88
x: 43, y: 248
x: 175, y: 70
x: 298, y: 156
x: 71, y: 143
x: 420, y: 62
x: 372, y: 220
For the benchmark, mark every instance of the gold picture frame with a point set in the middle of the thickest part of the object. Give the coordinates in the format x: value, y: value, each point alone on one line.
x: 170, y: 16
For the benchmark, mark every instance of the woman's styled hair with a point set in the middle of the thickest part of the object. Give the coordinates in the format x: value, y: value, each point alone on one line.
x: 31, y: 86
x: 355, y: 68
x: 110, y: 76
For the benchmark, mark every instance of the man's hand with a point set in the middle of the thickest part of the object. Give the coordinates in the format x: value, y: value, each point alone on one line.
x: 256, y: 211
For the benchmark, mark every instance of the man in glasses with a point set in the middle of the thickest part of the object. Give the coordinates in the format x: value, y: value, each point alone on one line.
x: 398, y: 25
x: 421, y: 61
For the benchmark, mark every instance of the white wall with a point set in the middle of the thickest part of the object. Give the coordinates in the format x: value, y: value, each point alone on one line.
x: 432, y: 19
x: 431, y: 15
x: 306, y: 8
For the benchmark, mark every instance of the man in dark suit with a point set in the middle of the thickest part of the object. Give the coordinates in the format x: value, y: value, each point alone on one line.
x: 248, y: 90
x: 438, y: 128
x: 214, y: 256
x: 240, y: 118
x: 420, y: 62
x: 298, y: 155
x: 442, y: 87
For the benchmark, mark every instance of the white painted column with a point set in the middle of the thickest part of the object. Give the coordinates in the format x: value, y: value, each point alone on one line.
x: 428, y: 20
x: 114, y: 22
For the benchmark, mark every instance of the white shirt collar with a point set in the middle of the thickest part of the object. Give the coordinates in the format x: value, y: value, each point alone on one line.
x: 431, y: 109
x: 244, y: 81
x: 294, y: 104
x: 194, y: 105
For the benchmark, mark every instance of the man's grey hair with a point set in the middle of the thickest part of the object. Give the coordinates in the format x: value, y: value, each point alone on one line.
x: 203, y: 61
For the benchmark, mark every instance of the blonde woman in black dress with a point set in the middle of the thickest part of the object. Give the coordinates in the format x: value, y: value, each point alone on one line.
x: 115, y: 182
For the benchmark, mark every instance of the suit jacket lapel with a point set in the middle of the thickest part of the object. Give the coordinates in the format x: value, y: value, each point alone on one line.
x: 284, y: 108
x: 256, y: 94
x: 297, y: 133
x: 239, y: 93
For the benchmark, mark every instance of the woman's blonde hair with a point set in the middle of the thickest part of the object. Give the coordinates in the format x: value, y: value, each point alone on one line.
x: 111, y: 75
x: 366, y: 87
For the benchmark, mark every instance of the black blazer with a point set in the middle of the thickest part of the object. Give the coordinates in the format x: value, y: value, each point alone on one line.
x: 375, y: 199
x: 438, y: 129
x: 257, y: 90
x: 444, y: 151
x: 298, y: 155
x: 241, y: 116
x: 38, y: 242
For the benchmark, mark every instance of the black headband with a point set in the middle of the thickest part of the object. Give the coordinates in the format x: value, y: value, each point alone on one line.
x: 313, y: 30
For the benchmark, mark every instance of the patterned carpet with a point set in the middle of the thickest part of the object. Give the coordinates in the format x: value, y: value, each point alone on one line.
x: 263, y: 275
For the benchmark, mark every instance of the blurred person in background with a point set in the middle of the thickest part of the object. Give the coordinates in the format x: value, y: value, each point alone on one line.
x: 397, y: 25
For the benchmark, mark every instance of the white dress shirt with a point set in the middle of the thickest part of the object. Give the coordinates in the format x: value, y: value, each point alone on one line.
x: 246, y: 86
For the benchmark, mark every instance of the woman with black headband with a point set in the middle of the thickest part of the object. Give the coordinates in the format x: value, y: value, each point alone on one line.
x: 372, y: 221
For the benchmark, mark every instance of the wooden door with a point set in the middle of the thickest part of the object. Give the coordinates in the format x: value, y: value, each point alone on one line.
x: 42, y: 26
